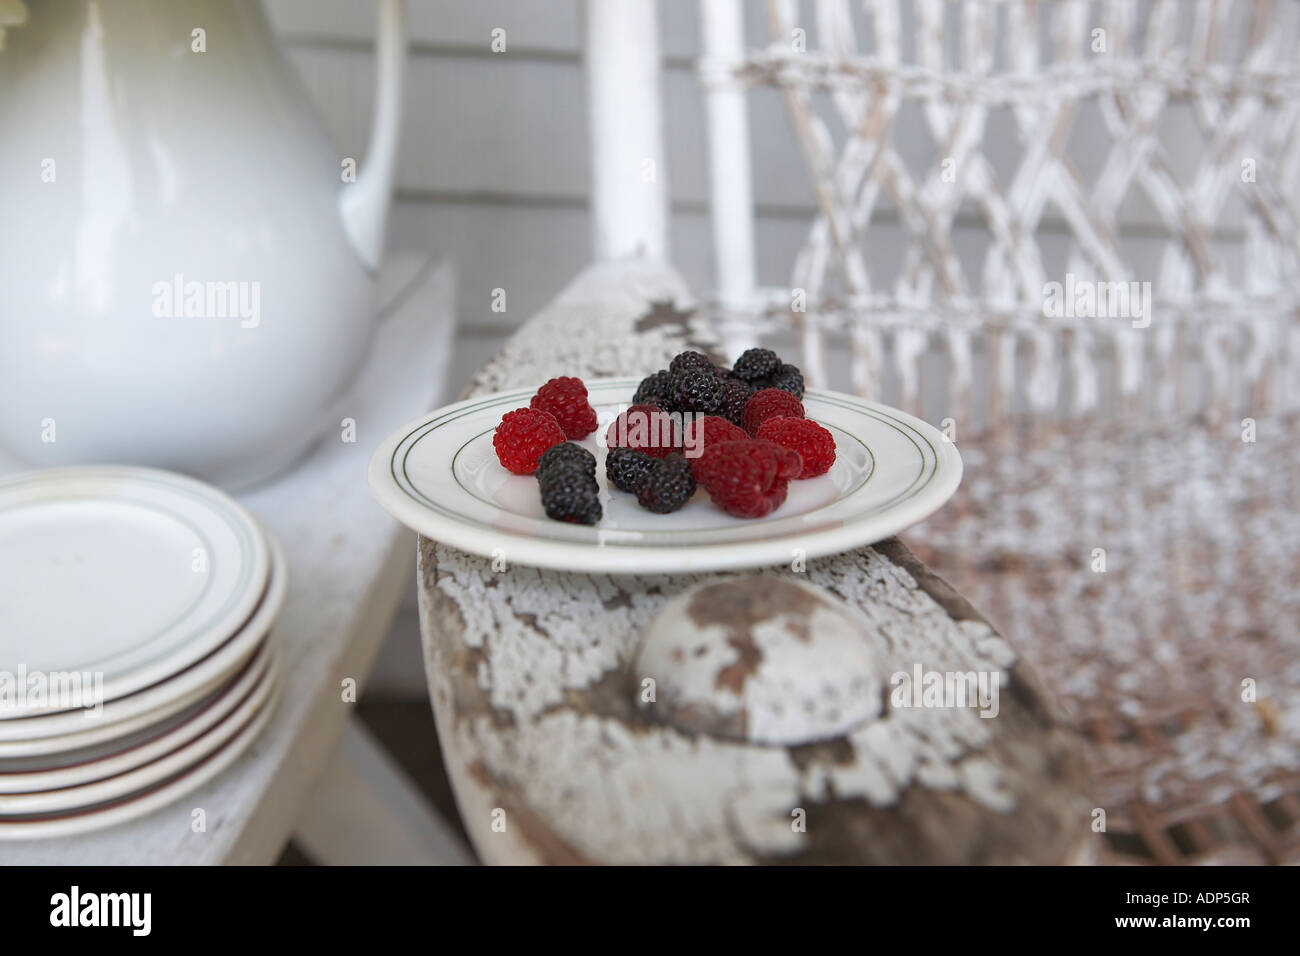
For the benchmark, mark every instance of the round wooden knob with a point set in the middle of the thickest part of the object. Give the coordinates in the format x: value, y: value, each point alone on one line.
x: 763, y: 659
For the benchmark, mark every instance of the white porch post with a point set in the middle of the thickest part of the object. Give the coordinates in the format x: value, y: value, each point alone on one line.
x: 629, y: 182
x: 722, y: 32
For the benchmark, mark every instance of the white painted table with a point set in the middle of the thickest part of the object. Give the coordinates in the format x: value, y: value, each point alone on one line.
x: 348, y: 562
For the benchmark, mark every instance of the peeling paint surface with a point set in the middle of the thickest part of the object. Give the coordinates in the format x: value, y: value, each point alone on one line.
x: 760, y: 658
x: 536, y: 690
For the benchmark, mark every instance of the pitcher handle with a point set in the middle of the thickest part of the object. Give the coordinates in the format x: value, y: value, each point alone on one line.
x: 363, y: 205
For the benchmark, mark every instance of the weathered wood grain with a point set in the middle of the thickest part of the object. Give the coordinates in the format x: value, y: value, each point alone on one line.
x: 535, y: 691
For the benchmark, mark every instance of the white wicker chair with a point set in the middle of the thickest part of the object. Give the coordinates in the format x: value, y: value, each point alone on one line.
x: 1164, y: 454
x: 1084, y: 440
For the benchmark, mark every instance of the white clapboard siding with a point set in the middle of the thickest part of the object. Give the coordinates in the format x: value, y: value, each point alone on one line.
x: 527, y: 248
x: 516, y: 125
x: 493, y: 169
x: 545, y: 25
x: 464, y: 100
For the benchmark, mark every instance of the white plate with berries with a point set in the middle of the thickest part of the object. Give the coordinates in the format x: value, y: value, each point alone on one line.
x: 578, y: 476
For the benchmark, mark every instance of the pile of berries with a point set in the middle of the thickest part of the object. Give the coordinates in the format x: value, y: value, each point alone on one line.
x: 738, y: 433
x: 535, y: 440
x: 560, y: 411
x: 692, y: 383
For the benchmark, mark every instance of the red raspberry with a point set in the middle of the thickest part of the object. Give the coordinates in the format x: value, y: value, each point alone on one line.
x: 645, y: 428
x: 522, y: 436
x: 770, y: 403
x: 566, y: 399
x: 789, y: 464
x: 742, y: 477
x: 776, y: 497
x: 815, y: 445
x: 708, y: 430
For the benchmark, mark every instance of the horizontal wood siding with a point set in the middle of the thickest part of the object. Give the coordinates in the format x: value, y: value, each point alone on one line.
x: 493, y: 169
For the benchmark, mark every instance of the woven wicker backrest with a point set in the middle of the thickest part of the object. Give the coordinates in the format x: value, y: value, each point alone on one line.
x: 1144, y: 157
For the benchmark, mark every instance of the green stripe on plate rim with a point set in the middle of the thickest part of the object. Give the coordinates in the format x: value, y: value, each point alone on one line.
x: 411, y: 438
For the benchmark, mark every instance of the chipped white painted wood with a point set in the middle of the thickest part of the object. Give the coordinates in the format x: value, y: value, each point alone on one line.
x: 553, y: 759
x: 760, y: 658
x: 347, y: 563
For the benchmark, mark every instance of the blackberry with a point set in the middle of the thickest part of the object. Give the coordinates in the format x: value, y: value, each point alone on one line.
x: 566, y: 455
x: 570, y: 494
x: 657, y: 388
x: 698, y: 390
x: 668, y: 487
x: 734, y: 397
x: 626, y: 468
x: 756, y: 364
x: 787, y: 378
x: 688, y: 360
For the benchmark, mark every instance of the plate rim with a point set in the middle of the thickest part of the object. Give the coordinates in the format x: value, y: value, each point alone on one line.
x: 27, y: 734
x: 658, y: 559
x: 110, y: 789
x: 216, y: 707
x: 141, y: 803
x: 225, y: 509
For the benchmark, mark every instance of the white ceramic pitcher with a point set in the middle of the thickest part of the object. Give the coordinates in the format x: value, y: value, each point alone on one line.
x: 187, y: 267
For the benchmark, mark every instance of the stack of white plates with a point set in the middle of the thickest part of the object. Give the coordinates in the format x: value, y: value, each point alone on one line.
x: 136, y: 660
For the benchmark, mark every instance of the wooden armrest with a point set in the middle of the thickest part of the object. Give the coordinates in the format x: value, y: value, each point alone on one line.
x: 555, y: 758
